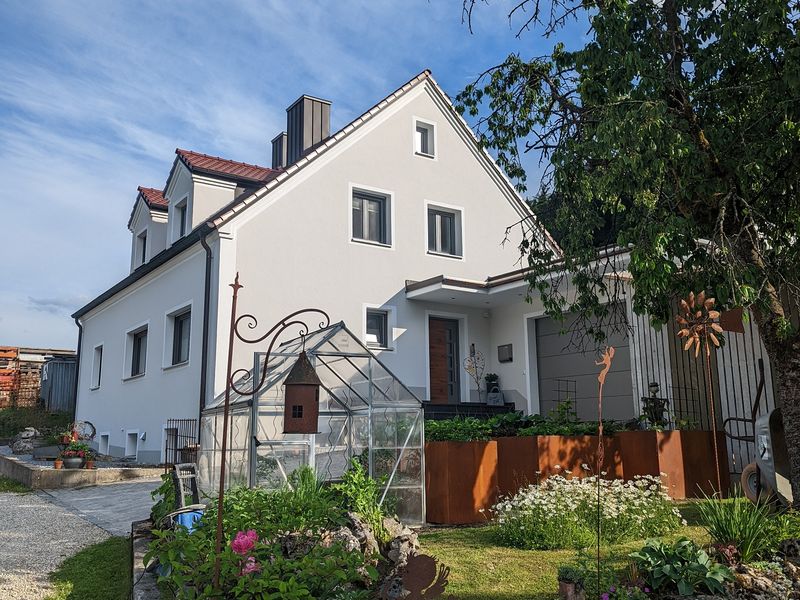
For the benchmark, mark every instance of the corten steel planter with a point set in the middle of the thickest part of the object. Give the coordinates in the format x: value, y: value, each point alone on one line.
x: 517, y: 463
x: 687, y: 457
x: 460, y: 480
x: 560, y: 453
x: 639, y: 450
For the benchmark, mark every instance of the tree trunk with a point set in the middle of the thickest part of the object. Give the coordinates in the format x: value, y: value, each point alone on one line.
x: 784, y: 360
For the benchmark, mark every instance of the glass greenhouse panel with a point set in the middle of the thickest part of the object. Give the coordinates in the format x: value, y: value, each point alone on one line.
x: 365, y: 413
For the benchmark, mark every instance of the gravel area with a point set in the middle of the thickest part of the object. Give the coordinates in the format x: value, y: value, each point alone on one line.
x: 35, y: 537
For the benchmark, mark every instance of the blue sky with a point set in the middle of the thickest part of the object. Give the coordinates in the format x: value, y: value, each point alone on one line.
x: 96, y: 96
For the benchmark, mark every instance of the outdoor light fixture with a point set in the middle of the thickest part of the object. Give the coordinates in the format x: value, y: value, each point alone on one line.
x: 301, y: 398
x: 654, y: 388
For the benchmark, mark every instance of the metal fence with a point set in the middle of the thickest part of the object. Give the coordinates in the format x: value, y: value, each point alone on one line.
x: 180, y: 442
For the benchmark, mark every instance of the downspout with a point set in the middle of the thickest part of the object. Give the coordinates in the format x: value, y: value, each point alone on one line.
x: 206, y: 316
x: 77, y: 368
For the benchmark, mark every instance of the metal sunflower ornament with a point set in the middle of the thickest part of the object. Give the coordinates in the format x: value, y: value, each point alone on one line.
x: 699, y: 323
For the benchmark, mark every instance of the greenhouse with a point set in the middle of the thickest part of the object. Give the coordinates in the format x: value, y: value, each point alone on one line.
x: 365, y: 413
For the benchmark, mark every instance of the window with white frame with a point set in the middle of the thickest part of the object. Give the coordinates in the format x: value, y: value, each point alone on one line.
x: 180, y: 323
x: 97, y: 366
x: 137, y: 346
x: 377, y: 328
x: 424, y: 138
x: 371, y: 217
x: 181, y: 219
x: 444, y: 231
x: 141, y: 247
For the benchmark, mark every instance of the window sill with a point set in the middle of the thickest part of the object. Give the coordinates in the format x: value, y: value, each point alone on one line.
x: 94, y: 388
x: 175, y: 366
x: 371, y: 243
x: 444, y: 255
x: 132, y: 377
x: 425, y: 155
x: 380, y: 348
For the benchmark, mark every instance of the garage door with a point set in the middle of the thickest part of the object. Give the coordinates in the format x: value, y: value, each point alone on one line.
x: 570, y: 375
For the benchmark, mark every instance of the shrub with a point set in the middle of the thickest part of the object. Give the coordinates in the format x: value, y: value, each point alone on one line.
x: 681, y: 566
x: 359, y: 493
x: 459, y: 429
x: 752, y: 529
x: 562, y: 513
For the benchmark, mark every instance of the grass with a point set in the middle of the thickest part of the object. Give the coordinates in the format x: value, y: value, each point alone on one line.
x: 482, y: 570
x: 14, y: 420
x: 99, y: 572
x: 10, y: 485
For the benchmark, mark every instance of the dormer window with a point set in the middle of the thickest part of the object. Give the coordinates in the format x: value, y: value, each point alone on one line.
x: 141, y: 243
x: 424, y: 139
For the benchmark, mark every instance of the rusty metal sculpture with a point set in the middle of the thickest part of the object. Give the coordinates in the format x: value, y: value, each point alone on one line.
x: 244, y: 375
x: 605, y: 360
x: 699, y: 324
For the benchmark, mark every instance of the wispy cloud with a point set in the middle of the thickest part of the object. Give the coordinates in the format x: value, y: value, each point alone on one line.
x: 95, y: 97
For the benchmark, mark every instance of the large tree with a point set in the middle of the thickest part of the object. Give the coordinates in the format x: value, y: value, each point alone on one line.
x: 673, y: 129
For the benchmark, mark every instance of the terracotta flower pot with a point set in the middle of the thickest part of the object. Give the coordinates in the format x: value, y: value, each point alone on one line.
x: 89, y: 464
x: 58, y: 463
x: 66, y: 439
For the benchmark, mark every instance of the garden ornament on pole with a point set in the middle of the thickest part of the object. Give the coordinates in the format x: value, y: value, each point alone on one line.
x: 698, y: 323
x: 606, y: 358
x: 250, y: 322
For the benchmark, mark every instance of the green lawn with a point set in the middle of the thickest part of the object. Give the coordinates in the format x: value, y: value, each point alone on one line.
x: 482, y: 570
x: 99, y: 572
x: 10, y: 485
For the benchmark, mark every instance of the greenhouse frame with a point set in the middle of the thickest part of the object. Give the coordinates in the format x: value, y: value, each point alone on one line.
x: 365, y: 413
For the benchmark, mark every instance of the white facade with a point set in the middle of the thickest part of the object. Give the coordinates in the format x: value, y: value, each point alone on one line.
x: 294, y: 245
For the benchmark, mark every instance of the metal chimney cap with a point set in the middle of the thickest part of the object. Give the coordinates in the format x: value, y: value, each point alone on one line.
x: 302, y: 372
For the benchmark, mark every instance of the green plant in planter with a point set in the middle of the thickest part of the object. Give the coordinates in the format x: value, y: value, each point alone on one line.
x: 570, y: 574
x: 681, y: 566
x: 491, y: 380
x: 459, y: 429
x: 360, y: 493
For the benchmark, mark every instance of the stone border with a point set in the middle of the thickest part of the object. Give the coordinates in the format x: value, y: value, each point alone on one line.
x: 44, y: 478
x: 145, y: 585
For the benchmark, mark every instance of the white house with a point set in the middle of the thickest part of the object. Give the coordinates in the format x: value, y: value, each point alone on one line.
x: 395, y: 225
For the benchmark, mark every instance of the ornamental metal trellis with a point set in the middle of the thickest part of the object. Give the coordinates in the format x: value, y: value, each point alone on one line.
x: 365, y: 413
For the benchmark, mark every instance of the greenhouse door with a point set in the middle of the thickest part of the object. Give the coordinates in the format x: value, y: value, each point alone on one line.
x: 444, y: 360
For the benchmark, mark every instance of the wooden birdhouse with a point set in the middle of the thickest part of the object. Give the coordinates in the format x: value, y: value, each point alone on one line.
x: 301, y: 398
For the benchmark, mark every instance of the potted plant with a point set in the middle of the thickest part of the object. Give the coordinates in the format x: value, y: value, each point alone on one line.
x: 89, y: 457
x: 65, y: 437
x: 492, y: 382
x: 58, y: 463
x: 74, y: 455
x: 570, y: 583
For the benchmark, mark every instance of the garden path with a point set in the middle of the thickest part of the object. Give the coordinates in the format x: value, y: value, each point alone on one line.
x: 35, y: 537
x: 111, y: 507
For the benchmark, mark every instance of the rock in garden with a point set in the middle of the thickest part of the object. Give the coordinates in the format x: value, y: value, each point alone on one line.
x: 401, y: 547
x: 23, y: 446
x: 343, y: 536
x: 364, y: 535
x: 27, y: 433
x: 295, y: 544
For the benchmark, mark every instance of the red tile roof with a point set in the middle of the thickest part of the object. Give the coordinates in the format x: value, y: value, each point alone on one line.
x: 214, y: 165
x: 154, y: 198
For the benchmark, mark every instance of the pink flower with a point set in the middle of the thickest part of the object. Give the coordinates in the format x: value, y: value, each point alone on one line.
x: 250, y: 566
x: 244, y: 542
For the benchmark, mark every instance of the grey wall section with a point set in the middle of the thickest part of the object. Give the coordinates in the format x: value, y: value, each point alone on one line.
x: 566, y: 373
x: 57, y: 381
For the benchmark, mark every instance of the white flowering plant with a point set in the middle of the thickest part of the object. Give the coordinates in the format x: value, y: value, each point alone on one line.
x: 562, y: 512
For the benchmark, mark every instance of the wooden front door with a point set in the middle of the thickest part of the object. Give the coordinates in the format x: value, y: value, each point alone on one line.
x: 444, y: 360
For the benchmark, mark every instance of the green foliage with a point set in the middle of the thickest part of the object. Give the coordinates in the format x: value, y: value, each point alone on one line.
x: 360, y: 493
x: 14, y: 420
x: 10, y: 485
x: 570, y: 574
x: 563, y: 513
x: 654, y: 145
x: 304, y: 509
x: 682, y: 566
x: 99, y: 572
x: 561, y: 421
x: 164, y: 496
x: 753, y: 529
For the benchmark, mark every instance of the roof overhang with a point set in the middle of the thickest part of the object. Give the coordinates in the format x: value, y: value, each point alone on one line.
x: 491, y: 293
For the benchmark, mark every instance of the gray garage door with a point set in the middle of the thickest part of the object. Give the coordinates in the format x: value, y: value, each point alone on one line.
x: 567, y: 374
